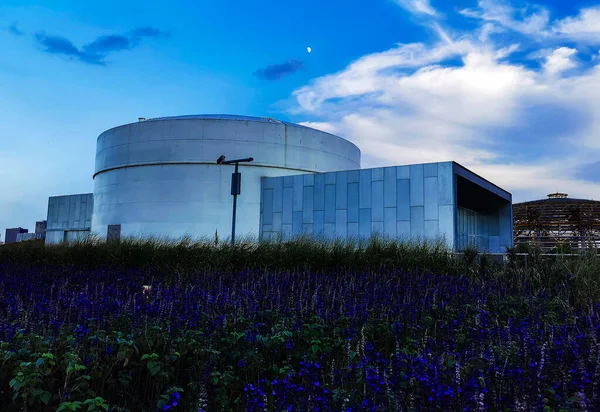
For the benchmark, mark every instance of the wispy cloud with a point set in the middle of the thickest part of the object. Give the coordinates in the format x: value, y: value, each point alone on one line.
x: 278, y: 71
x: 96, y: 51
x: 418, y: 7
x: 531, y: 20
x: 535, y: 21
x: 530, y: 128
x: 14, y: 29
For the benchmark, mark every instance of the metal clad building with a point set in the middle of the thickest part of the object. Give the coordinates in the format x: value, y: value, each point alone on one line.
x: 69, y: 217
x: 425, y: 201
x: 160, y: 177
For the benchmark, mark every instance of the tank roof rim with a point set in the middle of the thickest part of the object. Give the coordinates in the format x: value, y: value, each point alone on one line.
x: 230, y: 117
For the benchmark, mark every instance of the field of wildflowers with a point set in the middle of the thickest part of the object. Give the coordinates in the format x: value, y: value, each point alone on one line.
x: 299, y: 326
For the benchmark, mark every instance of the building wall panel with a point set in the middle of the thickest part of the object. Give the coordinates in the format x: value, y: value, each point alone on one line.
x: 288, y: 205
x: 389, y: 222
x: 377, y: 175
x: 431, y: 198
x: 329, y: 203
x: 353, y: 203
x: 416, y: 185
x: 364, y: 222
x: 318, y: 222
x: 341, y: 191
x: 377, y: 229
x: 365, y: 188
x: 402, y: 172
x: 445, y: 183
x: 417, y: 223
x: 377, y: 200
x: 403, y: 230
x: 277, y: 222
x: 403, y: 199
x: 277, y: 195
x: 446, y: 223
x: 430, y: 170
x: 389, y: 187
x: 341, y: 223
x: 307, y: 204
x: 352, y: 230
x: 431, y: 229
x: 329, y: 231
x: 319, y: 192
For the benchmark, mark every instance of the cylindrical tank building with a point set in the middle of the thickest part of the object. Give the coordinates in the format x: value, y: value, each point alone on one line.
x: 160, y: 177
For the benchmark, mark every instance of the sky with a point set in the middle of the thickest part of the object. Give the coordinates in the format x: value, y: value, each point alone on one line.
x: 508, y: 89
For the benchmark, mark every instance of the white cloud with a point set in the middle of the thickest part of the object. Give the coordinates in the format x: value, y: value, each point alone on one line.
x: 560, y: 60
x: 526, y: 128
x: 418, y: 7
x: 531, y: 21
x: 583, y: 27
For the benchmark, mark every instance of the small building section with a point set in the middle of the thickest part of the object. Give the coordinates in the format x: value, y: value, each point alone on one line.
x: 558, y: 222
x: 23, y: 237
x: 423, y: 201
x: 12, y: 233
x: 69, y: 217
x: 40, y: 227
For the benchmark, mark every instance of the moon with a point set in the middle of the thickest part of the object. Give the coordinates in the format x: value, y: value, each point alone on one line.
x: 308, y: 49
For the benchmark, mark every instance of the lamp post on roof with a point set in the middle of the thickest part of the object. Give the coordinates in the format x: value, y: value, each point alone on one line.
x: 236, y: 186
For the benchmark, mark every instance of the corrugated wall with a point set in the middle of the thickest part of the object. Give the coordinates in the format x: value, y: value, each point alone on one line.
x: 71, y: 213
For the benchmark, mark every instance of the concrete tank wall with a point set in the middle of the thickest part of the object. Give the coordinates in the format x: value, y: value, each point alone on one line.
x: 160, y: 177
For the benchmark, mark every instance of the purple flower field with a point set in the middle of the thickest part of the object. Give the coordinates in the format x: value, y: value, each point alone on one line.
x: 260, y: 340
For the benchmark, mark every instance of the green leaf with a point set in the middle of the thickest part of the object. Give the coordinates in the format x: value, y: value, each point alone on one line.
x: 35, y: 391
x: 146, y: 356
x: 15, y: 384
x: 45, y: 397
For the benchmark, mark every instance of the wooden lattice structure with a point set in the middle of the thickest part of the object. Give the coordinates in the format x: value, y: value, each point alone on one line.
x: 558, y: 221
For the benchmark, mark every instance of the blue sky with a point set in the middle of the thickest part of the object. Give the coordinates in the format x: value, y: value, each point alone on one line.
x: 510, y: 89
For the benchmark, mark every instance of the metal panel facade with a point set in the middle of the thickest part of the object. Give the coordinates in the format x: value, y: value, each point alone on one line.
x: 403, y: 202
x: 371, y: 201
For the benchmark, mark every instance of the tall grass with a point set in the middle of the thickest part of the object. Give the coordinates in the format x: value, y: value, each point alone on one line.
x: 576, y: 279
x: 187, y: 255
